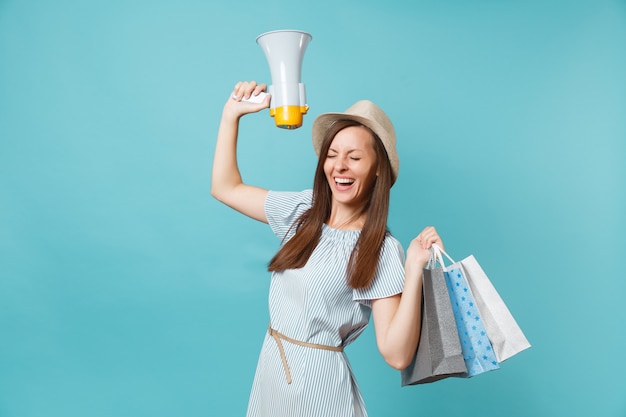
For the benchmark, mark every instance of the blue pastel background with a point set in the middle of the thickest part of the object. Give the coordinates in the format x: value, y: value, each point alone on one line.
x: 126, y: 290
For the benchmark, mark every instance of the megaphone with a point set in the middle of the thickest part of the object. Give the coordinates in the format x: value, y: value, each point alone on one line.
x: 284, y: 50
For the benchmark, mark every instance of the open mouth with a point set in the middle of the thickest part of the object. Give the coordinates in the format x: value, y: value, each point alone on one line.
x: 344, y: 182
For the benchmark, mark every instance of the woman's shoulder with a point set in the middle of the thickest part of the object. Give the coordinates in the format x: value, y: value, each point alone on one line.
x: 283, y: 208
x: 392, y: 245
x: 298, y: 197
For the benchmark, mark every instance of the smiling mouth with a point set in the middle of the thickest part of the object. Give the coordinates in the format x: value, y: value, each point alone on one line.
x: 344, y: 181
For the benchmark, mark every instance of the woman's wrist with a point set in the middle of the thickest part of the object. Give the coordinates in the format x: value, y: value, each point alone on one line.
x: 229, y: 115
x: 413, y: 271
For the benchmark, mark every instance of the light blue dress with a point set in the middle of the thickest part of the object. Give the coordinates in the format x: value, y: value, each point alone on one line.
x: 314, y: 304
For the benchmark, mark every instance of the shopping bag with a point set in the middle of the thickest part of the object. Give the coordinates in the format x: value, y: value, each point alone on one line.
x: 507, y: 338
x: 477, y: 351
x: 439, y: 353
x: 505, y: 334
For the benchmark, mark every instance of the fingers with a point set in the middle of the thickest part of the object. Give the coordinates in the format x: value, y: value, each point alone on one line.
x: 428, y: 236
x: 246, y: 89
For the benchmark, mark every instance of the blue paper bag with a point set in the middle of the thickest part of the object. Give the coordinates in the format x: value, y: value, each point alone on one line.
x: 477, y: 350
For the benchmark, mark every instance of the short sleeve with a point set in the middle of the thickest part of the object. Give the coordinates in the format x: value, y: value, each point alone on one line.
x: 282, y: 209
x: 389, y: 279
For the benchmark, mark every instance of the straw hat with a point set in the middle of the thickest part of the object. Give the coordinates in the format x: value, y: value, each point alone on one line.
x: 368, y: 114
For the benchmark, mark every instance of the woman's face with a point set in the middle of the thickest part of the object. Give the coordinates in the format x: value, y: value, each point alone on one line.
x: 350, y: 166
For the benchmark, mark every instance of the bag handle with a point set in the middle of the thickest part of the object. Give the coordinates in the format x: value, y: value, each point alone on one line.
x: 432, y: 261
x: 436, y: 258
x: 436, y: 252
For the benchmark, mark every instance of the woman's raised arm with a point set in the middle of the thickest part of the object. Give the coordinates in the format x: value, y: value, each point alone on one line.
x: 226, y: 183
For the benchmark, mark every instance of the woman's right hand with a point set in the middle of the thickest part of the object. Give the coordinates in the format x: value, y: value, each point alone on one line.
x: 237, y: 107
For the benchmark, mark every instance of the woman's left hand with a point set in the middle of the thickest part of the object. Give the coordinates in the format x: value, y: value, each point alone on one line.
x: 418, y: 252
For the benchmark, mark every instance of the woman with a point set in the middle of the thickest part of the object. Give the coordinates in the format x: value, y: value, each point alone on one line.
x: 337, y: 263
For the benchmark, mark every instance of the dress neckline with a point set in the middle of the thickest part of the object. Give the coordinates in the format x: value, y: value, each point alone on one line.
x: 339, y: 233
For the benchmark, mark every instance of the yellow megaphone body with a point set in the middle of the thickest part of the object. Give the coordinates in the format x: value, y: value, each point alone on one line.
x: 284, y: 50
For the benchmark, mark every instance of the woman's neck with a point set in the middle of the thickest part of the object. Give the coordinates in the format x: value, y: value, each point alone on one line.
x: 347, y: 219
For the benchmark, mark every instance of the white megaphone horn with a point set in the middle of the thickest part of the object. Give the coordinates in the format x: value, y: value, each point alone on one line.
x: 284, y: 50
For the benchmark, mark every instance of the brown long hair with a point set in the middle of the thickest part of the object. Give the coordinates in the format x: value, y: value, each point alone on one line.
x: 363, y: 261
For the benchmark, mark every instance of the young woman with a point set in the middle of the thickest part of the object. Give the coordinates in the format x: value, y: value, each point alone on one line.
x: 337, y: 264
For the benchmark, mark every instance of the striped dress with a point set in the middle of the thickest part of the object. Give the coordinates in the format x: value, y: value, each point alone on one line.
x: 314, y: 304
